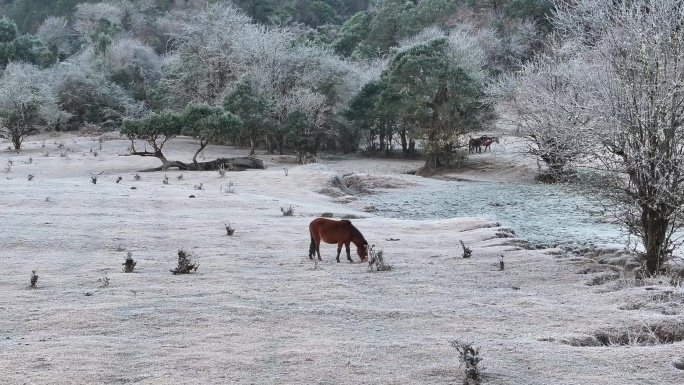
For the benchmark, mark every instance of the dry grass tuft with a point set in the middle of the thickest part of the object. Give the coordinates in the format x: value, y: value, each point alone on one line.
x: 287, y: 212
x: 375, y: 258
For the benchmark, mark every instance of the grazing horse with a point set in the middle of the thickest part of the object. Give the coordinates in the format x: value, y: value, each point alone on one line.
x: 340, y: 232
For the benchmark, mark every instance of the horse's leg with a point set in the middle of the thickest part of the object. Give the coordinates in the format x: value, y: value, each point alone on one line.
x: 339, y: 250
x: 318, y: 250
x: 346, y: 245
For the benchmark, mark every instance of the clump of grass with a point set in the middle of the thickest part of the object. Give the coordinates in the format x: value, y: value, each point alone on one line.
x: 8, y: 168
x: 199, y: 186
x: 118, y: 179
x: 287, y: 172
x: 229, y: 229
x: 30, y: 160
x: 376, y: 259
x: 287, y: 212
x: 179, y: 177
x: 470, y: 357
x: 34, y: 278
x: 93, y: 178
x: 467, y: 252
x: 137, y: 177
x: 222, y: 171
x: 129, y: 264
x: 30, y: 176
x: 166, y: 179
x: 185, y: 263
x: 46, y: 153
x: 95, y: 153
x: 63, y: 154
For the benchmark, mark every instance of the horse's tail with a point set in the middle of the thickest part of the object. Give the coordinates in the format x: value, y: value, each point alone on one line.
x: 312, y: 247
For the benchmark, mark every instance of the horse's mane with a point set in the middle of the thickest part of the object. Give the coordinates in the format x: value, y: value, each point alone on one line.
x: 355, y: 232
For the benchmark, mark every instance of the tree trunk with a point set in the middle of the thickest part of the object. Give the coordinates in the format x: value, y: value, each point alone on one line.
x: 194, y: 157
x: 281, y: 143
x: 404, y: 147
x: 252, y: 146
x: 16, y: 141
x: 654, y: 225
x: 412, y: 146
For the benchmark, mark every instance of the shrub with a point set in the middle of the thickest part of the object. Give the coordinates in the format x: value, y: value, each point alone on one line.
x: 129, y: 264
x: 470, y: 357
x: 34, y: 278
x: 185, y: 263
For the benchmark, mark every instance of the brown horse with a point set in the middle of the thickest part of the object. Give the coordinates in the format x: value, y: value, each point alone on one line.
x: 487, y: 141
x: 340, y: 232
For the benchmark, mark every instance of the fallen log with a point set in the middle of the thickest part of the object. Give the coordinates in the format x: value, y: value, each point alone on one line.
x: 229, y: 164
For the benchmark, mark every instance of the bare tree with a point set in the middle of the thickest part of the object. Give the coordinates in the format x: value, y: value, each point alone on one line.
x: 545, y: 108
x: 27, y: 101
x: 632, y: 83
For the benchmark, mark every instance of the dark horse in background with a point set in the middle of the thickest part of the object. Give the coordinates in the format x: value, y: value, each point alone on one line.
x: 476, y: 144
x: 340, y: 232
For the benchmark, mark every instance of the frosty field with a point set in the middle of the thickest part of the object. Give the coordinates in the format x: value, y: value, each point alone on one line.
x: 257, y: 312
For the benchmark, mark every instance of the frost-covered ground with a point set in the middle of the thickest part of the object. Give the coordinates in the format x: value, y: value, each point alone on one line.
x: 257, y: 312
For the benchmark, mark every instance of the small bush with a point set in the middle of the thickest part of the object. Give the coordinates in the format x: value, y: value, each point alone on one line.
x: 137, y: 176
x: 34, y: 278
x: 470, y: 357
x: 30, y: 176
x: 179, y: 177
x: 229, y: 230
x: 375, y: 258
x: 185, y: 263
x: 199, y: 186
x: 287, y: 212
x: 93, y: 178
x: 467, y: 252
x: 166, y: 179
x: 129, y: 264
x: 118, y: 179
x: 222, y: 171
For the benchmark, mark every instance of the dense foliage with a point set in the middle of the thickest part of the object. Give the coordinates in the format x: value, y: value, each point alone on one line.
x: 298, y: 75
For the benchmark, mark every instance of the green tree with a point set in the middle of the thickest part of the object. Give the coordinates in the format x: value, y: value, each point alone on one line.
x: 354, y: 31
x: 27, y: 48
x: 155, y: 130
x: 250, y: 107
x: 428, y: 89
x: 296, y: 128
x: 208, y: 124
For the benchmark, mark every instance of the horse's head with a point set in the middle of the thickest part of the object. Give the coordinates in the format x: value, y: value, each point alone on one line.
x: 363, y: 251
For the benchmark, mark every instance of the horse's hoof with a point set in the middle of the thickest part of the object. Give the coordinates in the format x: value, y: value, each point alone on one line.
x: 320, y: 259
